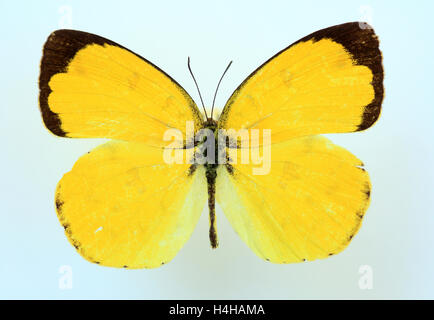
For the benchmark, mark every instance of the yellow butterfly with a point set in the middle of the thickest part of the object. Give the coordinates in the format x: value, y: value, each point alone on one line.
x: 122, y: 205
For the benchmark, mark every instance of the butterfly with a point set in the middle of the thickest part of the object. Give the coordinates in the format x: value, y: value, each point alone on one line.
x: 122, y: 205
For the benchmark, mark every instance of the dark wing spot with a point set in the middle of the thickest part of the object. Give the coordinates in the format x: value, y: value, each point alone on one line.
x: 192, y: 169
x: 368, y: 193
x: 59, y: 204
x: 230, y: 168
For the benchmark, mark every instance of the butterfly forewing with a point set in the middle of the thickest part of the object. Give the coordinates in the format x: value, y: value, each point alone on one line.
x: 328, y: 82
x: 91, y: 87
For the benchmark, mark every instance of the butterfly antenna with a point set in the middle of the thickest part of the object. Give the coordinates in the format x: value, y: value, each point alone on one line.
x: 197, y: 87
x: 218, y: 85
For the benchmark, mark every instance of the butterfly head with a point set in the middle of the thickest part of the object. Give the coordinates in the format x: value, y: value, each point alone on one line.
x: 211, y: 124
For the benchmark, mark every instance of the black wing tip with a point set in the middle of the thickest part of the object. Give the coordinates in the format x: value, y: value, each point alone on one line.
x: 59, y: 49
x: 370, y: 116
x: 360, y: 40
x: 366, y: 52
x: 50, y: 118
x: 61, y: 46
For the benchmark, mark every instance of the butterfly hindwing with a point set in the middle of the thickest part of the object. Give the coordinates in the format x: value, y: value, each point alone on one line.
x: 328, y: 82
x: 91, y: 87
x: 122, y: 206
x: 309, y: 206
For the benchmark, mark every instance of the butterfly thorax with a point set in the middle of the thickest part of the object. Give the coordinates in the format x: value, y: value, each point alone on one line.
x: 212, y: 125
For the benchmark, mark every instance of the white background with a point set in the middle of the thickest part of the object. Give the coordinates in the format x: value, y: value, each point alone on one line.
x: 396, y: 237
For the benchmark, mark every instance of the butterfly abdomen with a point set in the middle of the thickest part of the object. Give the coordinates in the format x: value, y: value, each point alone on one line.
x: 211, y: 176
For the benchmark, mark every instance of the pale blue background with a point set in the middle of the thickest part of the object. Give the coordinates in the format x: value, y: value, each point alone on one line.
x: 396, y: 239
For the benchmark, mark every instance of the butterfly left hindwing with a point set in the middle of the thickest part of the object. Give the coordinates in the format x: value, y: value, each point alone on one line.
x: 122, y: 206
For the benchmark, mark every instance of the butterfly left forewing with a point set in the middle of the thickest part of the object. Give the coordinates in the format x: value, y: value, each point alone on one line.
x: 91, y: 87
